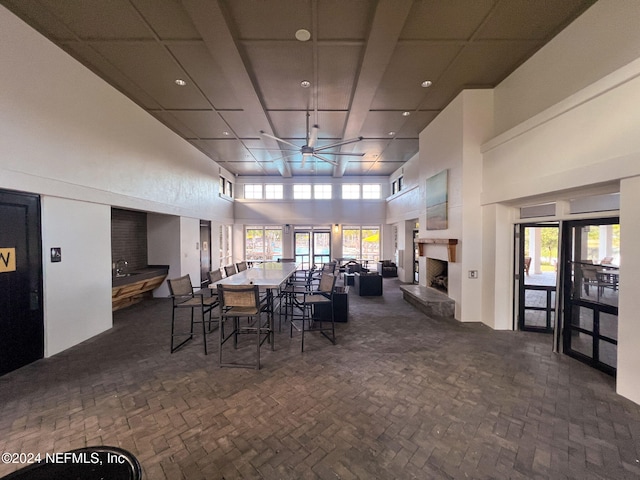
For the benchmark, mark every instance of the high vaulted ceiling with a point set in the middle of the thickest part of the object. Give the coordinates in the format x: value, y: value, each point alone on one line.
x: 243, y: 68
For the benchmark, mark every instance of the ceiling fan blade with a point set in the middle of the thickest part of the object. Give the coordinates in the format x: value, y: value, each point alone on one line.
x: 297, y: 150
x: 346, y: 154
x: 339, y: 144
x: 313, y: 136
x: 283, y: 157
x: 324, y: 159
x: 265, y: 134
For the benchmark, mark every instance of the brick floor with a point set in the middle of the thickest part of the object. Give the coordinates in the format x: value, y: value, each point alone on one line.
x: 400, y: 396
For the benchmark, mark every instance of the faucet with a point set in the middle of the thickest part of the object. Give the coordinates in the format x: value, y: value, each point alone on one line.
x: 120, y: 267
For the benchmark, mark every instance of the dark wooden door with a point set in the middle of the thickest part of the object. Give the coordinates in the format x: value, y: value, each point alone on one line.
x: 21, y: 324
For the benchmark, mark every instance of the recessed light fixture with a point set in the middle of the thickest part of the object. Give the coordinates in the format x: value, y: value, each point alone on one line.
x: 303, y: 35
x: 391, y: 134
x: 305, y: 84
x: 180, y: 82
x: 426, y: 84
x: 225, y: 133
x: 406, y: 114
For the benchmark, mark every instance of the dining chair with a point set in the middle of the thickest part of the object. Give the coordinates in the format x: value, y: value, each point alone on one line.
x: 184, y: 296
x: 230, y: 270
x: 241, y: 266
x: 214, y: 277
x: 323, y: 295
x: 240, y: 301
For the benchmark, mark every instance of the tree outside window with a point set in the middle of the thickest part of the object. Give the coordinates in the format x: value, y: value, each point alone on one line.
x: 263, y: 243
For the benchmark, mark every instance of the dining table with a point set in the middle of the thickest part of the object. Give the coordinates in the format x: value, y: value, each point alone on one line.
x: 268, y: 276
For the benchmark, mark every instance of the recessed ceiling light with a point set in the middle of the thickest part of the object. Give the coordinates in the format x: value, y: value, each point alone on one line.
x: 406, y: 114
x: 180, y: 82
x: 225, y: 133
x: 426, y: 84
x: 391, y: 134
x: 305, y: 84
x: 303, y: 35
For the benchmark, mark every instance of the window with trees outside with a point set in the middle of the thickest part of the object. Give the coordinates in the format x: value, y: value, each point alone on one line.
x: 225, y: 245
x: 263, y: 243
x: 361, y: 243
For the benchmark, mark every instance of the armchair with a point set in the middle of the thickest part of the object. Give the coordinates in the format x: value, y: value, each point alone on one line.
x: 387, y: 268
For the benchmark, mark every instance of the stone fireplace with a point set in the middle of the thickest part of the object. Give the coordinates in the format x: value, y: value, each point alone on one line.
x: 438, y: 274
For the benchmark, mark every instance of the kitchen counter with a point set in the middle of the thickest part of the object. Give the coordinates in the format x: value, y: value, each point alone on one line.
x: 136, y: 285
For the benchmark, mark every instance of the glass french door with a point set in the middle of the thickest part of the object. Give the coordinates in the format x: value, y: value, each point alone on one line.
x: 537, y: 276
x: 312, y: 248
x: 321, y: 247
x: 591, y: 284
x: 302, y: 245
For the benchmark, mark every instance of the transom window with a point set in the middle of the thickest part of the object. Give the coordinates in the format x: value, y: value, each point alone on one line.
x: 371, y: 191
x: 351, y: 191
x: 253, y: 191
x: 322, y: 191
x: 273, y: 192
x: 301, y: 191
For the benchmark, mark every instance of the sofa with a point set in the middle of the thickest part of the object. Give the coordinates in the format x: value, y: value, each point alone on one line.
x: 387, y: 268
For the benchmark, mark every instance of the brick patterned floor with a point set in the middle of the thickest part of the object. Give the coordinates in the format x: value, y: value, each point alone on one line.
x: 401, y: 396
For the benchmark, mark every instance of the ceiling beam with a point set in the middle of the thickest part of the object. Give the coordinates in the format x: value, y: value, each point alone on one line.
x: 388, y: 22
x: 209, y: 20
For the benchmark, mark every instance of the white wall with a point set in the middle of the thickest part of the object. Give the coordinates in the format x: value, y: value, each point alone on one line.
x: 76, y: 141
x: 628, y: 376
x: 586, y: 142
x: 603, y: 39
x: 67, y: 133
x: 77, y: 290
x: 311, y: 212
x: 451, y: 142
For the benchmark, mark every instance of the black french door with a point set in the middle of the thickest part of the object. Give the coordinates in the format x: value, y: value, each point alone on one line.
x: 591, y: 285
x: 537, y: 276
x: 21, y: 319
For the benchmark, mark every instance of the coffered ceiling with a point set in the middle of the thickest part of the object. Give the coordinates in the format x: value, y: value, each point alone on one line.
x: 243, y: 66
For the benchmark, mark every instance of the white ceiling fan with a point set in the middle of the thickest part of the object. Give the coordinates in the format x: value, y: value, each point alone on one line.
x: 309, y: 150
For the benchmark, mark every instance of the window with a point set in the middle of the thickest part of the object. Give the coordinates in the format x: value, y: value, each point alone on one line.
x: 350, y: 191
x: 225, y: 245
x: 322, y: 191
x: 226, y: 187
x: 301, y: 191
x: 252, y: 191
x: 394, y: 187
x: 263, y: 243
x: 400, y: 183
x: 370, y: 191
x: 361, y: 243
x: 273, y: 192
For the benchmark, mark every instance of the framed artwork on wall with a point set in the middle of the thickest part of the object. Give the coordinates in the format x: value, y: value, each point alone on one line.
x: 437, y: 201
